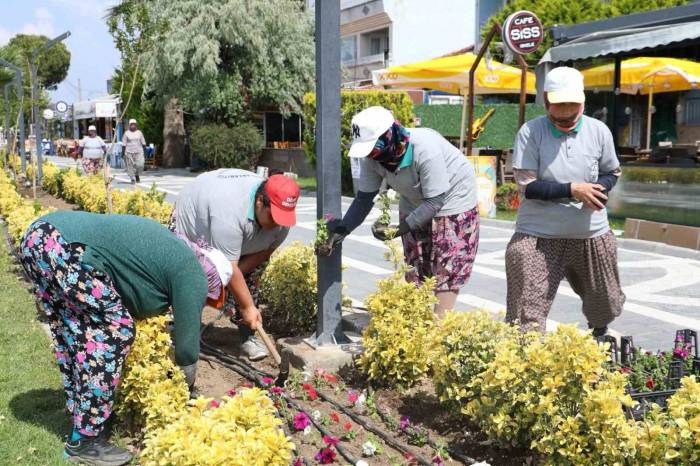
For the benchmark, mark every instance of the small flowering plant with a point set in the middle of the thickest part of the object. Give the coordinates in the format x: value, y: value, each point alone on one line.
x: 350, y: 433
x: 416, y: 433
x: 321, y: 243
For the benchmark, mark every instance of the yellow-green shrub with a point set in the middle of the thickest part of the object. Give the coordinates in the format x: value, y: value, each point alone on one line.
x: 533, y: 382
x: 152, y: 392
x: 242, y: 431
x: 464, y: 344
x: 18, y: 212
x: 288, y: 287
x: 396, y: 339
x: 684, y: 418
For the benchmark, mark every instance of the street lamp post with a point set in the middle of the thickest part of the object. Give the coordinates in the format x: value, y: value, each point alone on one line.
x: 19, y: 91
x: 6, y: 94
x: 328, y: 325
x: 35, y: 108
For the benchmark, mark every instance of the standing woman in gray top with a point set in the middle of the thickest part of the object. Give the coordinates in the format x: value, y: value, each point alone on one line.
x: 438, y: 210
x: 134, y: 144
x: 93, y: 150
x: 565, y: 165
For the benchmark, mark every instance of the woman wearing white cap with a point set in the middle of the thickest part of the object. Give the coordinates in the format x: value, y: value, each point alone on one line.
x: 134, y: 144
x: 438, y: 210
x: 94, y: 274
x: 93, y: 150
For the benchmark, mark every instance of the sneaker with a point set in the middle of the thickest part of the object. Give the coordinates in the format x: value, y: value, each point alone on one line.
x: 600, y: 331
x: 133, y: 181
x: 254, y: 349
x: 138, y: 179
x: 96, y: 451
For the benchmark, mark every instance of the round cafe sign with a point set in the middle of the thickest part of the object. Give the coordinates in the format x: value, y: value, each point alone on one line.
x: 523, y: 32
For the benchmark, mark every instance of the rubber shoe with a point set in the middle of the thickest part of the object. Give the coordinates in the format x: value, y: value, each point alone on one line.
x: 95, y: 451
x: 138, y: 179
x: 254, y: 349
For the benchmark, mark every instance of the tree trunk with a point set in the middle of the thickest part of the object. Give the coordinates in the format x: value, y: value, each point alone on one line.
x: 173, y: 135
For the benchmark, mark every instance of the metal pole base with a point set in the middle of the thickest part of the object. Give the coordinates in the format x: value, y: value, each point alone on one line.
x: 328, y: 339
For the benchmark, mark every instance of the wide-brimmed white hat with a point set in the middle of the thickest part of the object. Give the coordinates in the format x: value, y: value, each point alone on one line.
x: 367, y: 127
x: 564, y: 85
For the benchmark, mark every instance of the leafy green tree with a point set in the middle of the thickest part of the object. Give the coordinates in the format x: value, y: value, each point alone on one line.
x: 224, y: 59
x: 53, y: 64
x: 566, y: 12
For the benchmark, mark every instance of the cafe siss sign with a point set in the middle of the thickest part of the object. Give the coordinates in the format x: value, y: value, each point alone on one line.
x: 523, y: 32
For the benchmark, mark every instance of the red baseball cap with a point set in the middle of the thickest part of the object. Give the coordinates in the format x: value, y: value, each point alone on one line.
x: 284, y: 194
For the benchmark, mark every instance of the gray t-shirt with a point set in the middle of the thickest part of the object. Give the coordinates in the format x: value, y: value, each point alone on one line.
x: 133, y: 141
x: 218, y: 206
x: 431, y: 166
x: 577, y: 157
x: 93, y: 148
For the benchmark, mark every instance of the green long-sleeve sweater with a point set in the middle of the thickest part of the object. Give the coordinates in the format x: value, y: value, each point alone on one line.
x: 151, y: 269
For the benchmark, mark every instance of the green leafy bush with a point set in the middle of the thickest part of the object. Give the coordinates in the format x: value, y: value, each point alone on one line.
x: 464, y: 344
x: 353, y: 102
x: 508, y: 197
x: 222, y: 146
x: 535, y: 382
x: 397, y: 337
x: 288, y: 288
x: 685, y: 175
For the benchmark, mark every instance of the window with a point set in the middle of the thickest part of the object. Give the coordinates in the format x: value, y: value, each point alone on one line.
x: 692, y: 111
x: 375, y: 46
x: 348, y: 52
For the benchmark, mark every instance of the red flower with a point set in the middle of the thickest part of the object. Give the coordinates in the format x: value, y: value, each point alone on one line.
x: 325, y: 456
x: 335, y: 417
x: 276, y: 390
x: 298, y: 462
x: 310, y: 391
x: 650, y: 383
x: 330, y: 378
x: 267, y: 381
x: 347, y: 426
x: 410, y: 458
x: 330, y: 441
x: 214, y: 404
x: 625, y: 370
x: 231, y: 392
x: 248, y: 385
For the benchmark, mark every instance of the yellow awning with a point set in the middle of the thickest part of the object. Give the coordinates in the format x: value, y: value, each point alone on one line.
x: 640, y: 75
x: 451, y: 74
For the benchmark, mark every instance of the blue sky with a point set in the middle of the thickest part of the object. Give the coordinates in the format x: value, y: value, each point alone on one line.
x: 93, y: 55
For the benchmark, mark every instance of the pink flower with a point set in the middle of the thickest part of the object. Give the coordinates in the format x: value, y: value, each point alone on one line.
x: 352, y: 396
x: 90, y: 347
x: 231, y: 392
x: 329, y: 217
x: 96, y: 292
x: 80, y: 357
x: 330, y: 441
x: 301, y: 421
x: 437, y: 460
x: 680, y: 353
x: 404, y: 422
x: 276, y: 390
x: 267, y: 381
x: 214, y: 404
x: 298, y: 462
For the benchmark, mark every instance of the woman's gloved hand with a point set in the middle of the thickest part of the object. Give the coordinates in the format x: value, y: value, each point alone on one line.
x: 336, y: 234
x: 190, y: 375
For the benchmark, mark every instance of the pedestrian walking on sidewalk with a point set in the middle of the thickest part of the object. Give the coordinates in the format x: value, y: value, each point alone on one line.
x: 439, y: 218
x: 134, y: 145
x: 93, y: 150
x: 565, y: 166
x: 247, y: 217
x: 94, y: 274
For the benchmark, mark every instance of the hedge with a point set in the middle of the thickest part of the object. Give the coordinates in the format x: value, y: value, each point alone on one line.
x: 499, y: 132
x: 352, y: 102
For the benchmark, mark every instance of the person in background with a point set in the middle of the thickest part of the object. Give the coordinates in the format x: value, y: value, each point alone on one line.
x: 439, y: 218
x: 247, y: 218
x: 93, y: 150
x: 94, y: 274
x: 134, y: 145
x: 565, y: 166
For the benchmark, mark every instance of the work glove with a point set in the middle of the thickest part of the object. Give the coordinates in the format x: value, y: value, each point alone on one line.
x: 336, y: 234
x: 190, y: 375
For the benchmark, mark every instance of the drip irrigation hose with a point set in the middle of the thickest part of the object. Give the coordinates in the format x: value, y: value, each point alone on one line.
x: 451, y: 450
x: 248, y: 374
x: 366, y: 425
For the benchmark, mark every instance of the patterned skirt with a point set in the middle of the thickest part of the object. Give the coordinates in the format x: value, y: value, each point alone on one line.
x: 444, y: 249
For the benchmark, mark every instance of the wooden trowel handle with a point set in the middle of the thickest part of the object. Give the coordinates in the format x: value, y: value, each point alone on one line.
x: 270, y: 345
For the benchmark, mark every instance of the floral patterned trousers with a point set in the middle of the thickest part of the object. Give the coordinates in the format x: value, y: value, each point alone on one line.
x: 445, y: 248
x: 92, y: 166
x: 92, y: 332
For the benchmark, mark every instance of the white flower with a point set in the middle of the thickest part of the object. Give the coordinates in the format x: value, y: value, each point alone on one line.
x: 362, y: 463
x: 361, y: 399
x: 316, y: 415
x: 307, y: 430
x: 368, y: 449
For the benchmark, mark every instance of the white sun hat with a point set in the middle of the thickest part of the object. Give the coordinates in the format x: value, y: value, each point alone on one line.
x: 92, y: 128
x: 564, y: 85
x: 132, y: 121
x: 367, y: 127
